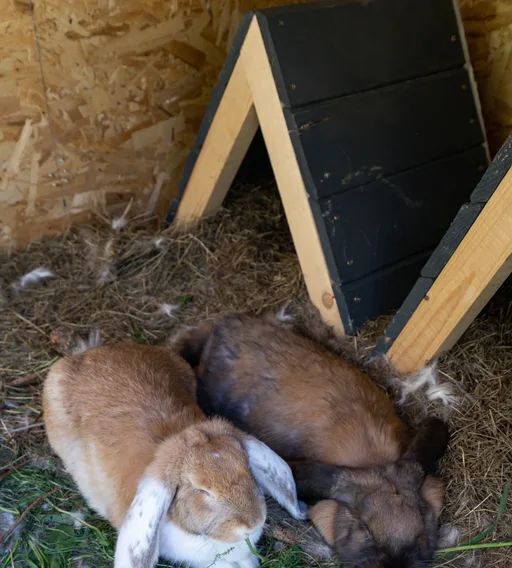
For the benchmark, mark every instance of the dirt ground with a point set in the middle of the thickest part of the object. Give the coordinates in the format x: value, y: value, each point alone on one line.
x: 130, y: 280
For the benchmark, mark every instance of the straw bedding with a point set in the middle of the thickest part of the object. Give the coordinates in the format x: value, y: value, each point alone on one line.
x: 137, y: 281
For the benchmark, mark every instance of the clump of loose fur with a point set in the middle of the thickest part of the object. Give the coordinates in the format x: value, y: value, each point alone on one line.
x: 427, y: 380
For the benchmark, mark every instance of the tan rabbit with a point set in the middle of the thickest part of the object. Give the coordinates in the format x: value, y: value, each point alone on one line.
x: 379, y: 505
x: 125, y: 422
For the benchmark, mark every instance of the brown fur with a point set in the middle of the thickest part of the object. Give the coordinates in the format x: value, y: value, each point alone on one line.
x: 128, y: 407
x: 323, y: 516
x: 298, y: 397
x: 374, y: 507
x: 350, y: 448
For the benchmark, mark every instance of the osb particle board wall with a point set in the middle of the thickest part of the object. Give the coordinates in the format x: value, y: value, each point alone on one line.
x: 488, y: 27
x: 100, y: 100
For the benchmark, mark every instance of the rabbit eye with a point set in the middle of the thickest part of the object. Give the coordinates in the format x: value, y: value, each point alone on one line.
x: 199, y: 491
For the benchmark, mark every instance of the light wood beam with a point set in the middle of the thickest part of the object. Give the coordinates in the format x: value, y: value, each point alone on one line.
x: 288, y: 176
x: 477, y: 268
x: 233, y: 127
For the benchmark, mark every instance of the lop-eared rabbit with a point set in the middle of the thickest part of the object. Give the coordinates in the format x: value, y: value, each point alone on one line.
x: 377, y: 502
x: 124, y: 420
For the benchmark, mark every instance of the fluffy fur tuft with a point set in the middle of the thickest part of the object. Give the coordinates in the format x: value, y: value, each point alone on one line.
x: 426, y: 380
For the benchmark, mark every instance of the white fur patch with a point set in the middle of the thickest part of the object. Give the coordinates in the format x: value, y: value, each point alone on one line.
x: 138, y: 541
x: 80, y: 460
x: 198, y: 551
x: 94, y: 482
x: 87, y: 472
x: 274, y: 476
x: 449, y: 535
x: 443, y: 393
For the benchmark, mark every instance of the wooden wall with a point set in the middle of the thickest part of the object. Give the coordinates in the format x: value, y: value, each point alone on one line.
x: 488, y: 26
x: 100, y: 100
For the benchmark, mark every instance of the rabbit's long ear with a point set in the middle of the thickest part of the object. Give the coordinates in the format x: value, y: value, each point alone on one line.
x: 137, y: 544
x: 429, y: 444
x: 323, y: 517
x: 274, y: 476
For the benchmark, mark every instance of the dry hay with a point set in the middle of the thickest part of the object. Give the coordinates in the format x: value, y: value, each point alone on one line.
x: 138, y: 282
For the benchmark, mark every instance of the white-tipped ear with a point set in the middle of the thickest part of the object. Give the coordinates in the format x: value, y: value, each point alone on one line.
x: 137, y: 544
x: 274, y: 476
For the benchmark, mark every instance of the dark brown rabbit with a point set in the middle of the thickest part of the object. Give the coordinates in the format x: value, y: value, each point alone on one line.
x: 377, y: 502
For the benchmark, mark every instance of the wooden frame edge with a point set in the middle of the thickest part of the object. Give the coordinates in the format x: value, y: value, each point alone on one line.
x: 479, y: 265
x: 232, y: 130
x: 290, y: 183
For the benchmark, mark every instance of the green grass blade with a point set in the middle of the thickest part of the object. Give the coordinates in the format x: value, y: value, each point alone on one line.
x: 466, y: 547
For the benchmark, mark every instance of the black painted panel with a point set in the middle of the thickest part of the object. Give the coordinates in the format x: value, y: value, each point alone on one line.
x: 418, y: 292
x: 460, y: 225
x: 381, y: 223
x: 358, y: 139
x: 328, y: 49
x: 382, y: 292
x: 395, y: 103
x: 462, y: 222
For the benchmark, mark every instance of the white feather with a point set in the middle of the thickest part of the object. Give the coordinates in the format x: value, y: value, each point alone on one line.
x: 83, y: 345
x: 169, y: 310
x: 78, y: 519
x: 119, y: 222
x: 33, y: 277
x: 283, y: 316
x: 108, y: 269
x: 159, y: 243
x: 106, y: 275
